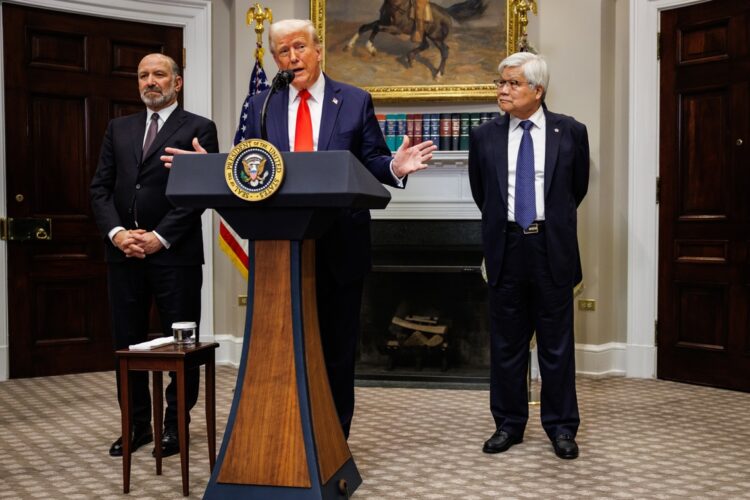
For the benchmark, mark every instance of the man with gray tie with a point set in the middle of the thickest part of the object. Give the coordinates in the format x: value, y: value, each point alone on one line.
x: 529, y: 171
x: 154, y: 251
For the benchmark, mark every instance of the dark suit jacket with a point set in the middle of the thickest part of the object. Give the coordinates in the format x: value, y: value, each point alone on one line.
x: 347, y: 123
x: 566, y: 179
x: 125, y: 185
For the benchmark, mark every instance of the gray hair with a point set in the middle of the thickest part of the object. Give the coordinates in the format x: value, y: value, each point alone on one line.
x: 534, y: 68
x: 285, y: 27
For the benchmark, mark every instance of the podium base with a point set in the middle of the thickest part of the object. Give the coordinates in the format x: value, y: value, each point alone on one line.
x: 340, y: 486
x: 283, y: 438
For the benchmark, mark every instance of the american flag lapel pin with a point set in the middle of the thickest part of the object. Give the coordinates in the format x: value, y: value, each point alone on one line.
x: 335, y: 101
x: 557, y: 130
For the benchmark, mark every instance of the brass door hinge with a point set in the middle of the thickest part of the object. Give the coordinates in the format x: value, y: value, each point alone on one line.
x: 184, y: 58
x: 658, y: 45
x: 3, y: 229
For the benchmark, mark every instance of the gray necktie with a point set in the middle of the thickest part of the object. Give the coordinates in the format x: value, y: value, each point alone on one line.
x: 153, y: 128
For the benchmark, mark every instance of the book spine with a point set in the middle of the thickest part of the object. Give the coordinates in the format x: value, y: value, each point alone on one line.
x: 417, y: 129
x: 445, y: 132
x: 463, y: 143
x: 391, y: 124
x: 410, y: 127
x: 455, y: 131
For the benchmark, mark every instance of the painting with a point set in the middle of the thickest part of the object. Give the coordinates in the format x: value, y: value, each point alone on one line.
x: 371, y: 44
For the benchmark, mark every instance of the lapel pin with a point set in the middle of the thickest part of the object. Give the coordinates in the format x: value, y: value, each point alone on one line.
x: 557, y: 130
x: 335, y: 101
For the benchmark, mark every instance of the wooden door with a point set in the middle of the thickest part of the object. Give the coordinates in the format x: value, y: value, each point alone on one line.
x: 704, y: 216
x: 66, y: 76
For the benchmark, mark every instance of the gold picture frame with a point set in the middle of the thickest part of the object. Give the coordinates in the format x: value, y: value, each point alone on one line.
x: 386, y: 74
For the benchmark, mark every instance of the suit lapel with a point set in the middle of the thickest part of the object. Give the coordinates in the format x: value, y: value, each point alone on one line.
x: 138, y: 132
x: 332, y: 101
x: 172, y: 125
x: 500, y: 155
x: 277, y: 120
x: 554, y: 133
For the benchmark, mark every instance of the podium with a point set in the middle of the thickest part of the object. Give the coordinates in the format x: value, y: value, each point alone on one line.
x: 283, y: 439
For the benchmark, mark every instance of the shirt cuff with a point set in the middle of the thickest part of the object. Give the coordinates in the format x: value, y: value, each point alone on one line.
x: 113, y: 232
x: 164, y: 242
x: 399, y: 180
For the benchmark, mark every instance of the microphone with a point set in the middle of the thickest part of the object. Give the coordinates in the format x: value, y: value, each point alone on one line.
x: 280, y: 82
x: 282, y: 79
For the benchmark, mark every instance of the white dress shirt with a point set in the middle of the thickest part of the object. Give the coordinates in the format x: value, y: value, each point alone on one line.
x: 315, y: 103
x: 163, y: 113
x: 538, y: 136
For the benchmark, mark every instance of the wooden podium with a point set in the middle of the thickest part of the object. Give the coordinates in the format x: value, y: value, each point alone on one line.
x: 283, y: 438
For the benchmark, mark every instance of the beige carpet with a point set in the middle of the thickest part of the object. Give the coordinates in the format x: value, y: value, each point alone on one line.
x: 642, y: 439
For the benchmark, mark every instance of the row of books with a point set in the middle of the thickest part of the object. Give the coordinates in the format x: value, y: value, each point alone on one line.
x: 449, y: 131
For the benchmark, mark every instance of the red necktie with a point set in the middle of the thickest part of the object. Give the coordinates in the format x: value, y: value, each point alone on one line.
x: 303, y: 135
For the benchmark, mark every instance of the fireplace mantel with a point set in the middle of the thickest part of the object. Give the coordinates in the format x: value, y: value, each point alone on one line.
x: 440, y: 192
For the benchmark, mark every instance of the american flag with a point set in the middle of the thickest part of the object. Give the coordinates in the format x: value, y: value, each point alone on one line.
x: 258, y: 83
x: 229, y: 241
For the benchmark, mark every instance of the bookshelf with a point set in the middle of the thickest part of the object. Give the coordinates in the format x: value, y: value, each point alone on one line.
x: 441, y: 192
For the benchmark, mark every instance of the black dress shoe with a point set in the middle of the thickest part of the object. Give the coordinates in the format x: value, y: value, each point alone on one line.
x: 500, y: 442
x: 141, y: 435
x: 170, y: 443
x: 565, y: 446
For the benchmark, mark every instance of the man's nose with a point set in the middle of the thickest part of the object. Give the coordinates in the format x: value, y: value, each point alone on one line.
x: 293, y: 55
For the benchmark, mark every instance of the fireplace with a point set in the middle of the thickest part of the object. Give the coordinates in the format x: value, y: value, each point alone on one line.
x: 424, y: 312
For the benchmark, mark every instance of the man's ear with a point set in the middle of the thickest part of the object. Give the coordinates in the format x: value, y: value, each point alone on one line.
x: 178, y: 83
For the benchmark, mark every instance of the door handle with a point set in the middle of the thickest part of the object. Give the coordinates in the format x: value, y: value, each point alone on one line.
x: 24, y: 229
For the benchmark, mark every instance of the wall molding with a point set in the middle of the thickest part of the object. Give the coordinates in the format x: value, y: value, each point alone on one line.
x: 643, y: 168
x: 194, y: 16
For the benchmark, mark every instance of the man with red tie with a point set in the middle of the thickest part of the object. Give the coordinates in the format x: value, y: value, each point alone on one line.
x: 529, y: 171
x: 317, y: 113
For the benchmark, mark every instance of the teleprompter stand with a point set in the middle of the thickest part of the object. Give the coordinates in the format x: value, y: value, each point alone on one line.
x: 283, y: 438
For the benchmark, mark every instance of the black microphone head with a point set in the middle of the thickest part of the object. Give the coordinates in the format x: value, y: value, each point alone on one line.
x: 282, y: 79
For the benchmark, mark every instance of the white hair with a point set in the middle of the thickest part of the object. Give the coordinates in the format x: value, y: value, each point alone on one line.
x: 534, y: 68
x: 285, y: 27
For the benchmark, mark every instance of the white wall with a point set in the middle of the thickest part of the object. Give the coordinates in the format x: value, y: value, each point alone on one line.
x: 586, y: 45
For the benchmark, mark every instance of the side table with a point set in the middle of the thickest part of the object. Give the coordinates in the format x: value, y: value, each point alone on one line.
x: 179, y: 359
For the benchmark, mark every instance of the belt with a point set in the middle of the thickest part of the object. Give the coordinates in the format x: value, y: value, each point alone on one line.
x: 534, y: 228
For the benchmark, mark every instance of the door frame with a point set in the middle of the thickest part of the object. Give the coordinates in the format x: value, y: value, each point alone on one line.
x: 643, y: 169
x: 194, y: 17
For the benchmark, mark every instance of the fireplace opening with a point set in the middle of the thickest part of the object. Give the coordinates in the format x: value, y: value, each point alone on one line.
x: 424, y: 313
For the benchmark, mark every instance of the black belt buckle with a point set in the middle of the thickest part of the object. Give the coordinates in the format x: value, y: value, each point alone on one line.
x: 532, y: 229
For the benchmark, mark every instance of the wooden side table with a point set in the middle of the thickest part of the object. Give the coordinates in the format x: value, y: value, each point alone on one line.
x: 178, y: 359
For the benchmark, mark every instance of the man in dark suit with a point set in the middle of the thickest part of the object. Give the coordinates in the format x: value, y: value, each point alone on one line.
x: 529, y: 171
x: 154, y: 251
x: 317, y: 114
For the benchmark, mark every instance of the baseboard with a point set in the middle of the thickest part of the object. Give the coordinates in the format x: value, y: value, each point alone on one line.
x: 229, y: 351
x: 601, y: 360
x: 4, y: 368
x: 604, y: 360
x: 641, y: 361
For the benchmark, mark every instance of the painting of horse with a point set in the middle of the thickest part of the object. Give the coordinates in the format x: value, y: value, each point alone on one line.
x: 368, y: 44
x: 397, y: 17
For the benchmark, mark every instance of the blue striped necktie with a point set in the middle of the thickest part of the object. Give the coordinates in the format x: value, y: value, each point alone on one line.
x: 525, y: 203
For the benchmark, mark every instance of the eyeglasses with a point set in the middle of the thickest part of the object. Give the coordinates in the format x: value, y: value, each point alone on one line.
x: 285, y: 52
x: 514, y: 84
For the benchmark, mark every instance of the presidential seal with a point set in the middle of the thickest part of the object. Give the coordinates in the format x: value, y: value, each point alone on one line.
x: 254, y: 170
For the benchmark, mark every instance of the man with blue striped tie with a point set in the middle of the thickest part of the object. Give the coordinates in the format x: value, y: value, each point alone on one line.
x: 529, y: 171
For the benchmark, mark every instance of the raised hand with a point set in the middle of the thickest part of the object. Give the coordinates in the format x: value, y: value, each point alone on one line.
x: 410, y: 159
x: 167, y: 158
